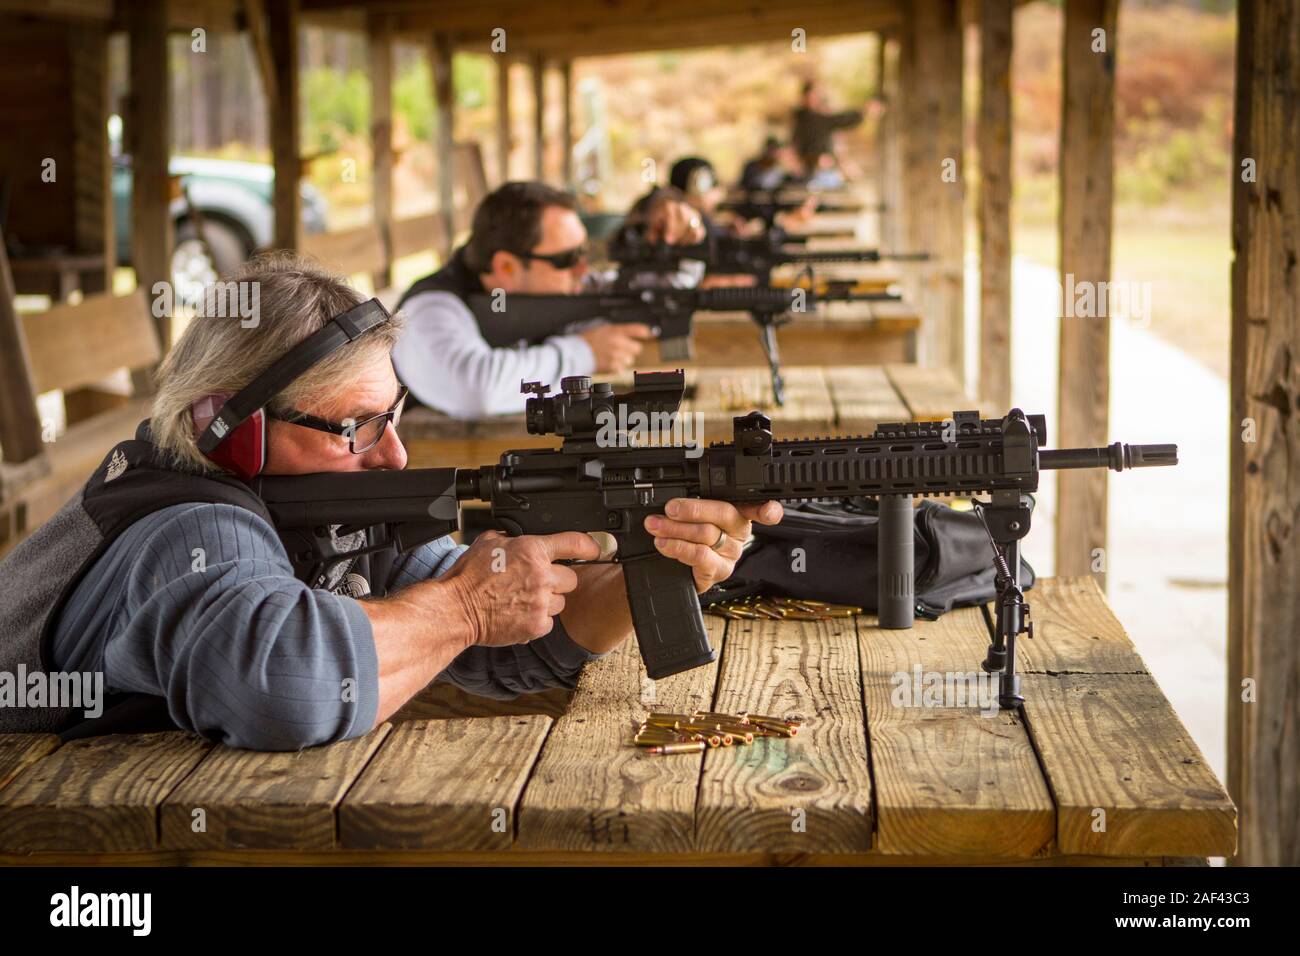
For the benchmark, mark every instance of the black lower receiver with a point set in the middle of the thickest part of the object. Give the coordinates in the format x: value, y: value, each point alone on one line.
x: 609, y: 474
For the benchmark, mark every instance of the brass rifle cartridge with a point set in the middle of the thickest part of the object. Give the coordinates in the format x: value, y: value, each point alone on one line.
x: 683, y: 748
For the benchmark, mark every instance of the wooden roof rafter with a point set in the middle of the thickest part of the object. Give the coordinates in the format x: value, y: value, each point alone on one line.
x: 602, y: 27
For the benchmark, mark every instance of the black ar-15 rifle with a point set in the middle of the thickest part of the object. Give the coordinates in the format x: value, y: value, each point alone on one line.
x: 767, y: 204
x: 601, y: 479
x: 505, y: 319
x: 735, y: 255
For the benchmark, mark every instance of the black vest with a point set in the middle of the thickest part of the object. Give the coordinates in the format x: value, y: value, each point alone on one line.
x: 131, y: 483
x: 455, y: 277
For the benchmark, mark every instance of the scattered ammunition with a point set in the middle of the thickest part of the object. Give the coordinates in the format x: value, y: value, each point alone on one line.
x: 684, y: 748
x: 704, y: 729
x: 782, y: 608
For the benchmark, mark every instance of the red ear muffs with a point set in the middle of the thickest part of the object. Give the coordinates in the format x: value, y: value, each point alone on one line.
x: 243, y: 451
x: 232, y: 428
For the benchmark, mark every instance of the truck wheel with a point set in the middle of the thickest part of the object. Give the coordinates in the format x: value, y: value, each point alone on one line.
x: 195, y: 265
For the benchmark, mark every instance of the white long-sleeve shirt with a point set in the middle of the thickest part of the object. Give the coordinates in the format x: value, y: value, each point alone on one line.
x: 444, y: 360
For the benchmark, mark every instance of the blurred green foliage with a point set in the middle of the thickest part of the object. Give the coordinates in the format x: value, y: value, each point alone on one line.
x: 336, y: 104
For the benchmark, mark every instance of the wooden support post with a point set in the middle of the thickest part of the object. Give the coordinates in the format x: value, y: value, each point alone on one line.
x: 539, y: 116
x: 1264, y: 437
x: 994, y: 136
x: 20, y: 422
x: 889, y: 234
x: 150, y: 146
x: 503, y: 118
x: 286, y: 154
x: 566, y: 128
x: 1087, y: 173
x: 379, y: 29
x: 444, y: 96
x: 910, y: 226
x: 935, y: 174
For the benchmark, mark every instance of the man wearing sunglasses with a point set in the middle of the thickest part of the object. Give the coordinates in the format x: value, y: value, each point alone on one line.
x: 526, y: 237
x: 165, y: 577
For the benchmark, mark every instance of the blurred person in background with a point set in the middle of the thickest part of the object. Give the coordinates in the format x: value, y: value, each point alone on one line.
x: 526, y: 237
x: 813, y: 136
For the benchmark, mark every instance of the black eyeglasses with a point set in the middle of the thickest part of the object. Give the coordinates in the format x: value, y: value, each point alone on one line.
x: 362, y: 436
x: 560, y: 260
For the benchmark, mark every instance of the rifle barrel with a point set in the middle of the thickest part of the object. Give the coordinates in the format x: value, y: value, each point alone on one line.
x: 1117, y: 457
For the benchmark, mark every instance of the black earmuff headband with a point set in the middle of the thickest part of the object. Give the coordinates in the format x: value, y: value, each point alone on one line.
x: 337, y: 332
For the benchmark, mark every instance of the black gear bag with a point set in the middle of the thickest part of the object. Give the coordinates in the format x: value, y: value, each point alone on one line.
x: 839, y: 562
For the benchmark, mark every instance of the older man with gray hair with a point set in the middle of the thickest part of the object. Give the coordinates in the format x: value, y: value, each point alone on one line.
x: 166, y: 574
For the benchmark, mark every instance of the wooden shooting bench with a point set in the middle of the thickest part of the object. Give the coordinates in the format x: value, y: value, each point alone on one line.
x: 820, y: 401
x: 1095, y: 769
x: 878, y: 332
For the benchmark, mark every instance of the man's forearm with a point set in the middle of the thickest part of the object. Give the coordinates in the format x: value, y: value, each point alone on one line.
x: 596, y: 615
x: 414, y: 646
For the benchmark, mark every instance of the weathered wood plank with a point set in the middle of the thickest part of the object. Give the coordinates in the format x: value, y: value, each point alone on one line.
x: 592, y: 789
x: 1087, y: 174
x: 442, y: 701
x: 863, y: 397
x: 932, y: 394
x: 734, y: 341
x: 951, y: 776
x: 1075, y: 631
x: 1264, y: 546
x: 549, y: 858
x: 1117, y: 756
x: 808, y: 793
x: 247, y: 799
x: 19, y: 751
x: 75, y: 345
x: 96, y: 795
x: 444, y: 785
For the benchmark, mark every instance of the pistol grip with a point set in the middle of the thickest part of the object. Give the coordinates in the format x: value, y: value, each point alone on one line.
x: 666, y: 615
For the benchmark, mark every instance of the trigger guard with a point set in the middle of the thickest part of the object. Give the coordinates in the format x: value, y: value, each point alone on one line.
x: 511, y: 527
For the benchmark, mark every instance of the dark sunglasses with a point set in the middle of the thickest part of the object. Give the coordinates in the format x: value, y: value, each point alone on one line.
x: 362, y: 436
x: 560, y: 260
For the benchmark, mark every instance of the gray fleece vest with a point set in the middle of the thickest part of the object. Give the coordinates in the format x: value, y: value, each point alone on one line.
x: 40, y: 574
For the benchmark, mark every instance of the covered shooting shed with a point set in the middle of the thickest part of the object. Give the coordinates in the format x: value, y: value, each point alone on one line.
x: 54, y: 69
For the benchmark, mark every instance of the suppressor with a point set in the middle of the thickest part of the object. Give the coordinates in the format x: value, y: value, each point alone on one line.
x: 896, y: 605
